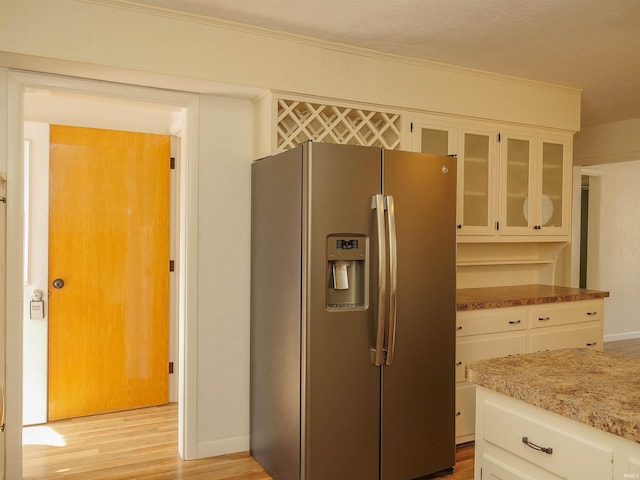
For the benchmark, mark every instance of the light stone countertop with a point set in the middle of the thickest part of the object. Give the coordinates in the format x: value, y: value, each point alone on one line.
x: 596, y: 388
x: 517, y: 295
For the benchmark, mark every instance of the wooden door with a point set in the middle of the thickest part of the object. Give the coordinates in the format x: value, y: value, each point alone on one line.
x: 109, y: 245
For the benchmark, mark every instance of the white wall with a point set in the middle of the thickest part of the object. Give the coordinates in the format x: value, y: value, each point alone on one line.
x: 619, y: 247
x: 35, y: 332
x: 608, y: 143
x: 611, y: 153
x: 224, y: 275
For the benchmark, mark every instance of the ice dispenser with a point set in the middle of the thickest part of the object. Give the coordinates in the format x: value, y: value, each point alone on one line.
x: 347, y: 271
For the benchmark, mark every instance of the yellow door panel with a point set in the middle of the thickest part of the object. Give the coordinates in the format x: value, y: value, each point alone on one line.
x: 109, y: 246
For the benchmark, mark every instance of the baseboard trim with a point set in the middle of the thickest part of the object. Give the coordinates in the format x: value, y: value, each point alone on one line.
x: 621, y: 336
x: 223, y: 446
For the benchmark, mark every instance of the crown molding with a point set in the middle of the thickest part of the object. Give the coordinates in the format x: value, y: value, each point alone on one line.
x: 323, y: 44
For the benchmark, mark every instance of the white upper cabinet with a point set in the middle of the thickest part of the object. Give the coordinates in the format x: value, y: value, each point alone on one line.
x: 477, y: 180
x: 475, y: 146
x: 513, y: 184
x: 536, y: 185
x: 431, y: 135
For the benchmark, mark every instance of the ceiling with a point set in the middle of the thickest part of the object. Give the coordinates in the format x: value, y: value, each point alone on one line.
x: 593, y: 45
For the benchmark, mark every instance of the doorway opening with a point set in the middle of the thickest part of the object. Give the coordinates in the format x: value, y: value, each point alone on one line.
x: 131, y: 174
x: 584, y: 229
x: 89, y: 103
x: 585, y: 242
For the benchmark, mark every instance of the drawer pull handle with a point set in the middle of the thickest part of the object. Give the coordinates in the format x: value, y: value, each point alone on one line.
x: 514, y: 322
x: 592, y: 344
x: 544, y: 319
x: 547, y: 450
x: 592, y: 313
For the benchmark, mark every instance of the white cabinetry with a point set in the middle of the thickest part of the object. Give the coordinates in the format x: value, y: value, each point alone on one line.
x: 516, y: 440
x: 513, y: 184
x: 465, y: 412
x: 483, y: 334
x: 476, y: 148
x: 284, y: 121
x: 572, y: 324
x: 535, y: 170
x: 499, y: 332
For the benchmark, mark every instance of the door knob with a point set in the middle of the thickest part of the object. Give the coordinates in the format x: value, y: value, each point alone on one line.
x: 58, y: 283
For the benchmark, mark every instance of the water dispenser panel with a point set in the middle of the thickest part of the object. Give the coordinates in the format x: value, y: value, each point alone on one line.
x: 347, y: 271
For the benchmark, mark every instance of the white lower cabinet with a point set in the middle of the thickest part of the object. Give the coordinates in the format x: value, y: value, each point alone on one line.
x: 500, y: 332
x: 570, y: 337
x: 626, y: 465
x: 516, y: 440
x: 536, y: 440
x: 465, y: 412
x: 469, y: 349
x: 498, y: 469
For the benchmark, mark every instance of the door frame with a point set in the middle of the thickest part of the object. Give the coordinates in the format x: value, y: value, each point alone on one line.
x: 186, y: 131
x: 594, y: 225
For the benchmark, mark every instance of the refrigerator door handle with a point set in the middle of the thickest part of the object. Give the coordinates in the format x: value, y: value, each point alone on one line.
x: 377, y: 204
x: 393, y: 278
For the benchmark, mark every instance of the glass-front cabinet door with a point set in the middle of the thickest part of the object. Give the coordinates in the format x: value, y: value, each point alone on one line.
x: 475, y: 147
x: 433, y: 137
x: 536, y: 181
x: 512, y: 182
x: 555, y: 178
x: 477, y: 181
x: 517, y: 206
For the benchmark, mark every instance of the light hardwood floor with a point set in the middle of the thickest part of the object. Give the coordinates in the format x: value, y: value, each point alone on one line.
x: 126, y: 445
x: 629, y: 347
x: 142, y: 444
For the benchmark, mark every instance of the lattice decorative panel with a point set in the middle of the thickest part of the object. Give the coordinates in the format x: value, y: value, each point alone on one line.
x: 299, y: 121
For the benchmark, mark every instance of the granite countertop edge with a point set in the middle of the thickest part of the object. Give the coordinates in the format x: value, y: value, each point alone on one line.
x: 595, y: 399
x: 512, y: 296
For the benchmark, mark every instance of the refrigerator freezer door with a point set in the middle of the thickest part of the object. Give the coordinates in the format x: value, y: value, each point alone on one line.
x: 418, y: 389
x: 341, y: 398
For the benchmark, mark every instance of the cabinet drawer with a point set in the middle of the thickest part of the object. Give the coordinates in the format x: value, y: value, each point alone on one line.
x: 566, y: 313
x: 491, y: 321
x: 465, y: 409
x: 567, y: 337
x: 570, y: 456
x: 488, y: 346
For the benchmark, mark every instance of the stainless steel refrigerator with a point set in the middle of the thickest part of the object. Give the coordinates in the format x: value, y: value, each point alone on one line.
x: 353, y: 313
